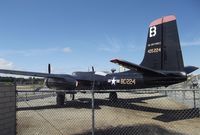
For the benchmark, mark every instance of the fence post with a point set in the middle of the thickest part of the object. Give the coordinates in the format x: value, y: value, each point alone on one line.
x: 165, y: 93
x: 93, y: 117
x: 194, y: 98
x: 93, y: 113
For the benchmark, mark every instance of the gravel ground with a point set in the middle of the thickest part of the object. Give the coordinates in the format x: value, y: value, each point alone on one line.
x: 132, y: 113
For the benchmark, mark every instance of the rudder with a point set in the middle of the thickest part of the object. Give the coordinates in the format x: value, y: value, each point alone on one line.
x: 163, y: 51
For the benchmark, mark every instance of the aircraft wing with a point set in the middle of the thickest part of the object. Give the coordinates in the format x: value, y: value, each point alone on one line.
x: 36, y: 74
x: 136, y: 67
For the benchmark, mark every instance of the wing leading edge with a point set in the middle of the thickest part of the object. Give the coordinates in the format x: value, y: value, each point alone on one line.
x: 136, y: 67
x: 36, y: 74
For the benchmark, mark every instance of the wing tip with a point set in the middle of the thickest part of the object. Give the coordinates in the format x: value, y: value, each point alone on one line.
x: 114, y: 60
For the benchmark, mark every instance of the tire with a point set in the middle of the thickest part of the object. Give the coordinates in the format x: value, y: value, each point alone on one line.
x: 72, y: 96
x: 60, y: 99
x: 113, y: 96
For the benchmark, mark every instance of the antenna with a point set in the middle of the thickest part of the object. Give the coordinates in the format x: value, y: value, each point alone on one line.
x: 113, y: 70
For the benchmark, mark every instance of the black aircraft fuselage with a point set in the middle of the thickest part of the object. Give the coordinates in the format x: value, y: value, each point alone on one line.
x: 117, y: 81
x: 162, y: 65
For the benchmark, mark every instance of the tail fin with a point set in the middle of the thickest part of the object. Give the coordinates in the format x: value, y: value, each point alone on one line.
x: 163, y: 51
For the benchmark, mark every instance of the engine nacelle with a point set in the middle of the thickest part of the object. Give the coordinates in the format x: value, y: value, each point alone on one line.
x: 61, y: 84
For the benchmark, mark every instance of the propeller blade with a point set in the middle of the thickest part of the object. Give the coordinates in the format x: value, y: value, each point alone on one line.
x: 92, y: 69
x: 49, y: 68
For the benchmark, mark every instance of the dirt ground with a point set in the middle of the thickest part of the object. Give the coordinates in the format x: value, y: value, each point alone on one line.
x: 139, y: 113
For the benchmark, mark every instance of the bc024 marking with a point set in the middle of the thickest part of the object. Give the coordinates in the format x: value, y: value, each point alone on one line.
x: 128, y: 81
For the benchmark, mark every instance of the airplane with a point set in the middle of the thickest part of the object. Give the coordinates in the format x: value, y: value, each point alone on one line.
x: 162, y: 65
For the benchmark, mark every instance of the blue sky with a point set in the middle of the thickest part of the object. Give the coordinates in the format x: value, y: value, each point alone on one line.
x: 76, y: 34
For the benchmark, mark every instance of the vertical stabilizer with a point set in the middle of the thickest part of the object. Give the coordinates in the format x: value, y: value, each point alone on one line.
x: 163, y: 51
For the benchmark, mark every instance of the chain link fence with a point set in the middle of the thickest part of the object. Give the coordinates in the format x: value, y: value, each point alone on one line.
x: 141, y: 112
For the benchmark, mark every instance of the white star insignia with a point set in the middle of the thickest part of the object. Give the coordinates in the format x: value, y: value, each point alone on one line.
x: 113, y: 81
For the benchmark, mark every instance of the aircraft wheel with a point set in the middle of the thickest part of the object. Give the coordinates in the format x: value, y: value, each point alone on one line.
x: 113, y: 96
x: 60, y: 99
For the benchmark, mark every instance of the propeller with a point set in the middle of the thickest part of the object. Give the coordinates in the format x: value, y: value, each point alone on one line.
x: 49, y: 68
x: 92, y: 69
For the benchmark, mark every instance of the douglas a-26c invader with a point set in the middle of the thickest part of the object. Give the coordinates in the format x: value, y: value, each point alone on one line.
x: 162, y: 66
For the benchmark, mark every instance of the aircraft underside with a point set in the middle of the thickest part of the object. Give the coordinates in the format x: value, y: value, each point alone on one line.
x: 119, y: 84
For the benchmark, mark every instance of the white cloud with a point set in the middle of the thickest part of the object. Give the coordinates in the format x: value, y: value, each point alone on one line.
x: 4, y: 64
x: 195, y: 42
x: 35, y: 51
x: 112, y: 45
x: 133, y: 48
x: 110, y: 48
x: 67, y: 50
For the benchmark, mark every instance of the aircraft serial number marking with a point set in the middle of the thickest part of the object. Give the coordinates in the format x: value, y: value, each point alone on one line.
x: 128, y: 81
x: 154, y: 50
x: 154, y: 44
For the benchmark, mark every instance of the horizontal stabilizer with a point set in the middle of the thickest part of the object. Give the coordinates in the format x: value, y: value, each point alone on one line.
x: 136, y: 67
x: 190, y: 69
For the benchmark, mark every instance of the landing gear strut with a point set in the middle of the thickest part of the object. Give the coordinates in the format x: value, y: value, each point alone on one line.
x: 72, y: 96
x: 60, y: 99
x: 113, y: 96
